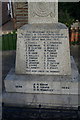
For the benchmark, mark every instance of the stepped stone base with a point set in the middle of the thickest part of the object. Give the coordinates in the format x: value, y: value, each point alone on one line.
x: 45, y: 100
x: 48, y: 84
x: 47, y: 91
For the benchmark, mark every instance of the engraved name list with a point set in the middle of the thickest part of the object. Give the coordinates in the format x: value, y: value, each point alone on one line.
x: 42, y: 50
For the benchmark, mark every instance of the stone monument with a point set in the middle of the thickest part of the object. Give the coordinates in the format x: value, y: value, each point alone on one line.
x: 43, y: 46
x: 44, y: 74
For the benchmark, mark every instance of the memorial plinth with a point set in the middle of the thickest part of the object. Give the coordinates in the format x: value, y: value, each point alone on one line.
x: 43, y: 49
x: 43, y: 83
x: 45, y: 90
x: 44, y: 74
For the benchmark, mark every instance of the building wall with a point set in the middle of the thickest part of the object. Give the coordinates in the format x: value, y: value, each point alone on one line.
x: 0, y: 13
x: 20, y: 13
x: 5, y: 15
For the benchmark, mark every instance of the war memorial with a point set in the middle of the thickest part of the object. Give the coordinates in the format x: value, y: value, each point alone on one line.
x: 45, y: 74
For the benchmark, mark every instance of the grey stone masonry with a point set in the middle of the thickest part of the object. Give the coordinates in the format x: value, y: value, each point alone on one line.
x: 43, y: 49
x: 42, y: 12
x: 47, y: 84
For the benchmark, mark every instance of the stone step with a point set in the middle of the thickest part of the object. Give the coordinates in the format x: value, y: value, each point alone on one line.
x: 45, y: 84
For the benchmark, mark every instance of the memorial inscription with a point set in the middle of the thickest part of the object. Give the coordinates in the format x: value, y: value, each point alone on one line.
x: 42, y: 42
x: 43, y: 51
x: 42, y: 87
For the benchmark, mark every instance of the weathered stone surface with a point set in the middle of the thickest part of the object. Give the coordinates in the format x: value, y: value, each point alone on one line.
x: 47, y: 84
x: 43, y: 49
x: 45, y: 100
x: 42, y: 12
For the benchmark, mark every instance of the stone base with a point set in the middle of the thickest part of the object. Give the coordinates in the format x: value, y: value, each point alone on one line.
x: 45, y: 100
x: 47, y: 84
x: 47, y: 91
